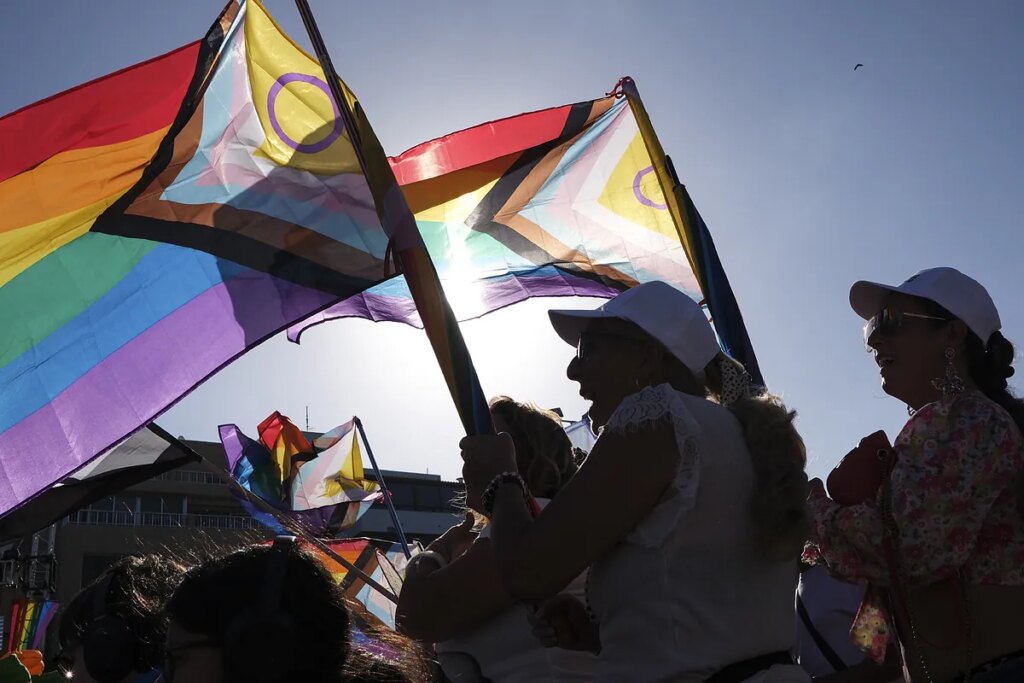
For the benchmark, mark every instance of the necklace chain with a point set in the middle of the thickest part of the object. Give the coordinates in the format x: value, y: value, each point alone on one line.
x: 889, y: 521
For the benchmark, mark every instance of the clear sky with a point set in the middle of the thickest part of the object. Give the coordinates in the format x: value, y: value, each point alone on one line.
x: 809, y: 175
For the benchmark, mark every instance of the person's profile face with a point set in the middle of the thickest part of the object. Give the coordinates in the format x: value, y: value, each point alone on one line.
x: 607, y: 366
x: 910, y: 350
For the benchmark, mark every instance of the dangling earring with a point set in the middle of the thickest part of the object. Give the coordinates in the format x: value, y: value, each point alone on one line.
x: 736, y: 383
x: 951, y: 386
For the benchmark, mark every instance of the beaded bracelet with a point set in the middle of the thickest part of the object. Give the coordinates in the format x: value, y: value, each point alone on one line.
x: 432, y: 555
x: 491, y: 492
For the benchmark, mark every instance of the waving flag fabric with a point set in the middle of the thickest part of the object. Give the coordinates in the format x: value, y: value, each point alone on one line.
x: 144, y: 455
x: 287, y: 444
x: 326, y: 491
x: 159, y: 222
x: 65, y: 160
x: 578, y: 200
x: 373, y: 558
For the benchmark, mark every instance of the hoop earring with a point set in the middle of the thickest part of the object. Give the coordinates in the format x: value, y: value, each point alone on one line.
x: 951, y: 385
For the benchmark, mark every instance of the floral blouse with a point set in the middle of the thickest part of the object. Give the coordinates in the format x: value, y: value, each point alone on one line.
x: 955, y: 504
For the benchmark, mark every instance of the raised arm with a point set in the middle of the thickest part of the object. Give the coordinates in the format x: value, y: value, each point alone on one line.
x: 953, y: 462
x: 628, y: 472
x: 441, y: 602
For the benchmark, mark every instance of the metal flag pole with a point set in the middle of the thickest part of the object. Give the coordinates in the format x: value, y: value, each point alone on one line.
x: 289, y: 524
x: 384, y: 488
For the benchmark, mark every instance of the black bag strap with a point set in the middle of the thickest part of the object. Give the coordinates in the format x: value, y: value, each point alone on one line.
x: 834, y: 660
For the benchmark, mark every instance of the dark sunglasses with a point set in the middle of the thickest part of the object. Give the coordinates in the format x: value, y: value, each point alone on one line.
x: 171, y: 657
x: 586, y: 341
x: 890, y: 320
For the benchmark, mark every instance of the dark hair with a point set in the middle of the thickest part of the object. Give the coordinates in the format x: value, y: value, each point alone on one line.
x: 989, y: 365
x: 217, y: 596
x: 544, y: 453
x: 137, y: 590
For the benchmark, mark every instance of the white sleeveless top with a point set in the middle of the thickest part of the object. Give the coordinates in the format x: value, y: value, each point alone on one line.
x: 506, y: 651
x: 684, y: 594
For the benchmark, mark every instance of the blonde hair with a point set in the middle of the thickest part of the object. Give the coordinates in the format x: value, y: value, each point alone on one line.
x: 544, y: 453
x: 778, y: 503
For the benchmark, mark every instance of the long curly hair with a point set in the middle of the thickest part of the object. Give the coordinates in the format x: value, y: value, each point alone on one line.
x: 778, y: 503
x: 782, y: 519
x: 544, y: 454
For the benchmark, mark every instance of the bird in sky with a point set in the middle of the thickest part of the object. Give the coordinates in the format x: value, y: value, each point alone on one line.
x: 857, y: 67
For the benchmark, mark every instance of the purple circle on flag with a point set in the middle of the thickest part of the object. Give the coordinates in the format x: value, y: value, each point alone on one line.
x: 305, y: 148
x: 639, y: 194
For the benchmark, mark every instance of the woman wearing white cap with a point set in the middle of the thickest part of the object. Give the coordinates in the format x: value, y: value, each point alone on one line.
x: 691, y: 514
x: 942, y: 540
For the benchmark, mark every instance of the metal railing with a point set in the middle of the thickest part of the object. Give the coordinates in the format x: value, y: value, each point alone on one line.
x: 192, y: 477
x: 162, y: 519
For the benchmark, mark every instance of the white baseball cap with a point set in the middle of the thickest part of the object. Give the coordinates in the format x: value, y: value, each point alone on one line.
x: 962, y: 296
x: 659, y: 309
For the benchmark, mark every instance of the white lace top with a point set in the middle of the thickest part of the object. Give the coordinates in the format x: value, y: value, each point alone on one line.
x: 684, y: 594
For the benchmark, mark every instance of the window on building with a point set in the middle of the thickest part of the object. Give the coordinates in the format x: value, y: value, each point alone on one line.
x: 212, y: 507
x: 428, y: 496
x: 124, y: 503
x: 451, y: 492
x: 161, y: 503
x: 105, y: 504
x: 402, y: 494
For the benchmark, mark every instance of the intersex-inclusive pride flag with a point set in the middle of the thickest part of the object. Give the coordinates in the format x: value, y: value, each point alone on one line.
x: 320, y: 487
x: 158, y: 222
x: 578, y: 200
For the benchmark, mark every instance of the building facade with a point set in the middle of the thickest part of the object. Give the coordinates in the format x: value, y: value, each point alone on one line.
x: 190, y: 513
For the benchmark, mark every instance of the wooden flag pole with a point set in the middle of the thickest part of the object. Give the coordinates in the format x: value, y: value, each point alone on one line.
x: 438, y: 321
x: 320, y: 48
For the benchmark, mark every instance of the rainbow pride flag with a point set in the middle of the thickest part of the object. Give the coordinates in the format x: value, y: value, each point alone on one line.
x: 159, y: 222
x: 577, y: 200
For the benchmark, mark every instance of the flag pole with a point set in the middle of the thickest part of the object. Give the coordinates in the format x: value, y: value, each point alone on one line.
x: 384, y: 487
x: 696, y: 240
x: 438, y: 320
x: 285, y: 522
x: 320, y: 48
x: 300, y: 532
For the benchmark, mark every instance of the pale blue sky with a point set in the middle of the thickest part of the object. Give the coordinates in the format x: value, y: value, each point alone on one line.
x: 809, y: 175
